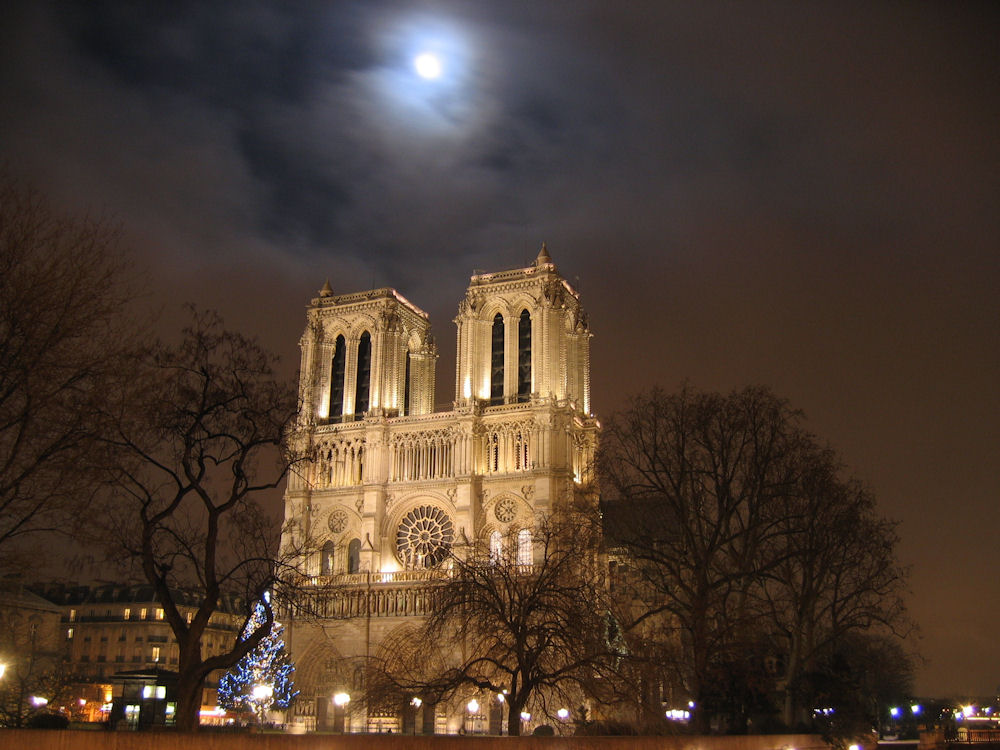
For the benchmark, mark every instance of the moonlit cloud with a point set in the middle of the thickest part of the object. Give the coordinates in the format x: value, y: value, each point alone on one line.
x: 796, y: 194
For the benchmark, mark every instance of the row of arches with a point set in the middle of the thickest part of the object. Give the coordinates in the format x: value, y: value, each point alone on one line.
x: 507, y: 451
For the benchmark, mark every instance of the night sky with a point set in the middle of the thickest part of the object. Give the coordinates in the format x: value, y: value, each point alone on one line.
x: 804, y: 195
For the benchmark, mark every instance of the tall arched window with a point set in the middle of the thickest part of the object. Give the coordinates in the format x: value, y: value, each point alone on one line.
x: 496, y: 361
x: 524, y: 547
x: 496, y: 548
x: 328, y: 558
x: 524, y: 356
x: 406, y: 387
x: 364, y: 375
x: 354, y: 556
x: 337, y: 380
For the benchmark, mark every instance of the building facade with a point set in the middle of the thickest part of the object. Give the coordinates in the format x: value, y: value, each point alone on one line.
x: 392, y: 488
x: 110, y: 629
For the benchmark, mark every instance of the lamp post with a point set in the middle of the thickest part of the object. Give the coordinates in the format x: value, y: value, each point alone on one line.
x: 340, y: 700
x: 416, y: 703
x: 473, y: 707
x: 261, y: 696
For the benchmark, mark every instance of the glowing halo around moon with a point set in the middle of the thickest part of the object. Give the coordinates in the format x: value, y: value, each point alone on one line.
x: 428, y: 66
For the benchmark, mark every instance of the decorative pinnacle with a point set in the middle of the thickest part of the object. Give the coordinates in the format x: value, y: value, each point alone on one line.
x: 327, y: 290
x: 543, y: 256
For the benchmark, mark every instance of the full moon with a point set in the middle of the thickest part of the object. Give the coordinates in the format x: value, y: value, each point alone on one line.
x: 427, y: 65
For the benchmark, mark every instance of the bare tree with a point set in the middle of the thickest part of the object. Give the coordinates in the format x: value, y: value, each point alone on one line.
x: 63, y: 284
x: 837, y: 575
x: 688, y: 481
x: 199, y: 431
x: 739, y: 532
x: 531, y: 628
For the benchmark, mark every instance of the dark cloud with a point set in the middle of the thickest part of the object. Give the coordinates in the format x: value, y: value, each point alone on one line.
x: 796, y: 194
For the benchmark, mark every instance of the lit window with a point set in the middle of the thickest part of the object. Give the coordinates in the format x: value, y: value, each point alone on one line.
x: 156, y: 653
x: 142, y: 613
x: 72, y: 615
x: 159, y: 614
x: 524, y: 547
x: 127, y: 614
x: 496, y: 548
x: 189, y: 618
x: 69, y: 634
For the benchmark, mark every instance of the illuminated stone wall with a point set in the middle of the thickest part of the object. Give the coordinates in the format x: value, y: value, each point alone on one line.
x: 385, y: 495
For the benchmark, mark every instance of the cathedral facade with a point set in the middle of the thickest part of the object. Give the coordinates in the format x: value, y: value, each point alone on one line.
x: 392, y: 488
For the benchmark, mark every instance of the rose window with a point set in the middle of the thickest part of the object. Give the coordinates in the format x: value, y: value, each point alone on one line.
x: 505, y: 509
x: 338, y: 520
x: 424, y: 537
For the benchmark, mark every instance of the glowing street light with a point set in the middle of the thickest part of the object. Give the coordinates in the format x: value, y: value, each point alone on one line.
x: 37, y: 700
x: 341, y: 699
x: 262, y: 697
x: 416, y: 702
x: 894, y: 712
x: 563, y: 714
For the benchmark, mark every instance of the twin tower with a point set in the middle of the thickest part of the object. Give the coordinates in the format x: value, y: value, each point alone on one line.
x: 392, y: 488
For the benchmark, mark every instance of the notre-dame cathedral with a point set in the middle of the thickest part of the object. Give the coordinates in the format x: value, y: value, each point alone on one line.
x: 392, y: 486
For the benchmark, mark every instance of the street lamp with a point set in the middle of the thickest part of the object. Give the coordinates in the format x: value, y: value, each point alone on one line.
x: 340, y: 700
x: 261, y: 697
x: 473, y: 708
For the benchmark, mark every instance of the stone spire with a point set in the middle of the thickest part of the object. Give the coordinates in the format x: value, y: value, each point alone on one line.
x: 543, y: 257
x: 327, y: 290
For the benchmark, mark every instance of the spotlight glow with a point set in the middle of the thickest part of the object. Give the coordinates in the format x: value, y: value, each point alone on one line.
x: 428, y: 66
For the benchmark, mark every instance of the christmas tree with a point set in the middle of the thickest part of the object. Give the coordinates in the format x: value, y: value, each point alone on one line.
x: 261, y: 680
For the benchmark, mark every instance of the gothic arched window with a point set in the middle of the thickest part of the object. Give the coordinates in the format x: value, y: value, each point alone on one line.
x: 496, y: 361
x: 337, y: 380
x: 524, y: 356
x: 496, y: 548
x: 364, y: 375
x: 524, y: 547
x: 328, y: 556
x: 406, y: 387
x: 354, y: 556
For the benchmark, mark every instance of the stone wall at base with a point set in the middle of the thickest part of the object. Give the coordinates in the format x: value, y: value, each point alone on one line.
x: 38, y: 739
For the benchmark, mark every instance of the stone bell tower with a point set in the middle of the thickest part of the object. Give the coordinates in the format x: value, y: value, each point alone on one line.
x: 365, y: 353
x: 391, y: 492
x: 522, y: 334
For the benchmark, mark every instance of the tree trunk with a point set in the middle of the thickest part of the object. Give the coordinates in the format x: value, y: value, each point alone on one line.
x: 514, y: 708
x: 188, y: 703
